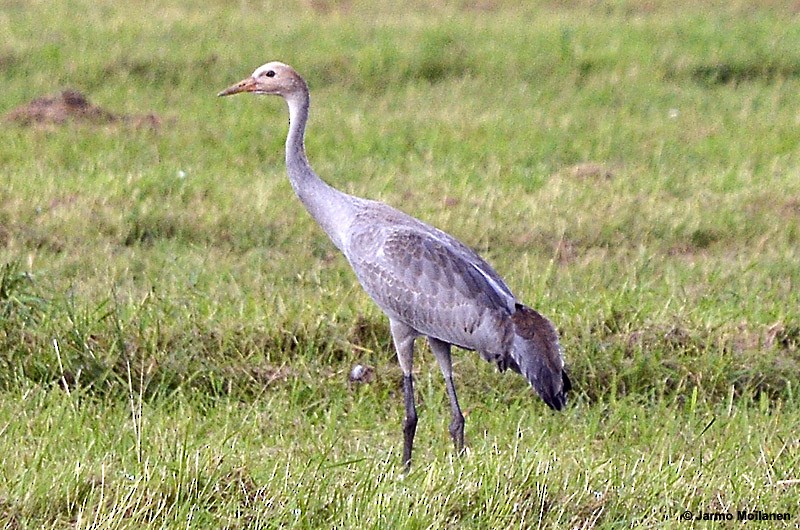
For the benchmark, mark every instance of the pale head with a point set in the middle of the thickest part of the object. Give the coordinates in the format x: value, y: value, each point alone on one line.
x: 271, y: 78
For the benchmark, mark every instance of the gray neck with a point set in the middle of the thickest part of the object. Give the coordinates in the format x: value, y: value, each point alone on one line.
x: 331, y: 208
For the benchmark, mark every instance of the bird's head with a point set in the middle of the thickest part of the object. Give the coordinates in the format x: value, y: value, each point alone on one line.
x: 272, y: 78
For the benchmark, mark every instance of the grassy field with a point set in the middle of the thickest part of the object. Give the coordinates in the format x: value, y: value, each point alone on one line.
x: 176, y: 334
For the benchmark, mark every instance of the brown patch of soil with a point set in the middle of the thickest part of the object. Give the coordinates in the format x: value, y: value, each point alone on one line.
x: 71, y: 105
x: 589, y: 171
x: 267, y: 375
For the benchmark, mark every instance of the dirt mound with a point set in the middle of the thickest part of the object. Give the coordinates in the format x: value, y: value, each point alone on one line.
x: 71, y: 105
x: 589, y: 171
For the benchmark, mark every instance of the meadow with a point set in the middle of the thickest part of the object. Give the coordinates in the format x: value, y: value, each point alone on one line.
x: 176, y: 334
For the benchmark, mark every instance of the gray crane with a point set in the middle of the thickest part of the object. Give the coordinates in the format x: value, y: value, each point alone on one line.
x: 427, y: 282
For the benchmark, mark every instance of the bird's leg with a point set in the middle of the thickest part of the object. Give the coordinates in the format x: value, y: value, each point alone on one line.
x: 403, y: 337
x: 442, y: 352
x: 410, y: 422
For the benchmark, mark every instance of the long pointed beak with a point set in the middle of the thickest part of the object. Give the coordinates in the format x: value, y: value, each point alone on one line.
x: 245, y: 85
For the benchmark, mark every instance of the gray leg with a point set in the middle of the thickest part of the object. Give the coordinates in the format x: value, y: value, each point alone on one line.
x: 403, y: 337
x: 410, y: 421
x: 442, y: 352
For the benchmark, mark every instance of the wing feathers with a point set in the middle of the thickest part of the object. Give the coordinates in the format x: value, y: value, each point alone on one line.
x: 537, y: 354
x: 439, y: 288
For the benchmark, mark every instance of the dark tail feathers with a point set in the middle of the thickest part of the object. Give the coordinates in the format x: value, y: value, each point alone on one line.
x: 536, y: 354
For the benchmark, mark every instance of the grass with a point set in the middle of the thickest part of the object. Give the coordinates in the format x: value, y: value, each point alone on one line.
x: 176, y: 335
x: 154, y: 463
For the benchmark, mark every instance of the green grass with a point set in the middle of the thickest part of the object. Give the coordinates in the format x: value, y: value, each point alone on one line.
x: 176, y: 334
x: 153, y: 463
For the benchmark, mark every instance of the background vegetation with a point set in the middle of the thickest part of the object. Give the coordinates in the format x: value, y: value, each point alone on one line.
x: 176, y: 334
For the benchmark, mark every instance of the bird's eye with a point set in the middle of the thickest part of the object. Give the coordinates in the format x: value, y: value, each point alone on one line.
x: 270, y: 73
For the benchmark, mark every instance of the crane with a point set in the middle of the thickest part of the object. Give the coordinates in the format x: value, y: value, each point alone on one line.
x: 427, y: 282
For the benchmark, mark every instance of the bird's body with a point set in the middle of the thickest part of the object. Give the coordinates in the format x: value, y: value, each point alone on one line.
x: 427, y: 282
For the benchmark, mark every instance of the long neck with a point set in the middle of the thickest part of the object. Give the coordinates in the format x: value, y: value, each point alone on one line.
x: 331, y: 208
